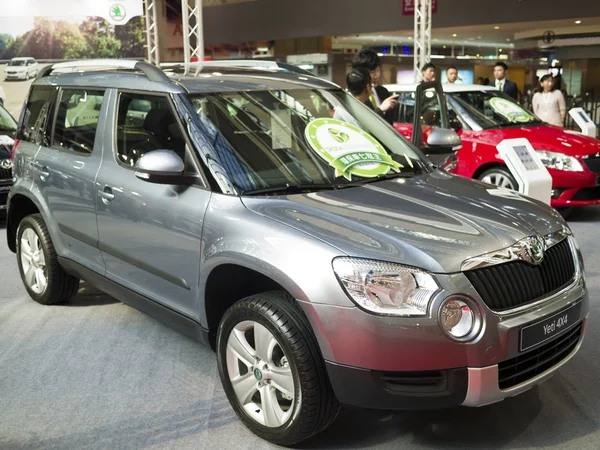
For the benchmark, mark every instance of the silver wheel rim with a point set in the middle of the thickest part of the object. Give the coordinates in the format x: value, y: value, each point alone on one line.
x: 260, y: 374
x: 499, y: 179
x: 33, y: 262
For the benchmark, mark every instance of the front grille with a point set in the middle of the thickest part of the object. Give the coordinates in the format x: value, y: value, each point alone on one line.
x: 587, y: 194
x: 593, y: 163
x: 517, y: 283
x: 527, y: 366
x: 5, y: 174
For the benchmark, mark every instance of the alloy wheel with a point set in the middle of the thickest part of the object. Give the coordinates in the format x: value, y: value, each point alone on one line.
x: 261, y: 377
x: 499, y: 179
x: 33, y: 261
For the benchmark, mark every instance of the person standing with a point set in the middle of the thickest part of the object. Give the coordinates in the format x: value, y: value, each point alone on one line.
x: 549, y: 103
x: 369, y: 60
x: 502, y: 83
x: 428, y: 72
x: 452, y: 74
x: 359, y: 84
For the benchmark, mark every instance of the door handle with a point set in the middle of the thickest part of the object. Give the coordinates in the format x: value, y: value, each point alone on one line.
x: 107, y: 195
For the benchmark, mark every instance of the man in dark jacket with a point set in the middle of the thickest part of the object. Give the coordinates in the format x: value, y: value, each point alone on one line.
x: 359, y: 85
x: 502, y: 83
x: 369, y: 60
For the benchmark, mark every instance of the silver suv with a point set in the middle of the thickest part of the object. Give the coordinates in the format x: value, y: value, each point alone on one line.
x: 279, y: 220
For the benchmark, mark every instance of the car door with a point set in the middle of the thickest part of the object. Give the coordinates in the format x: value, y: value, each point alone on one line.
x: 150, y: 234
x: 65, y: 171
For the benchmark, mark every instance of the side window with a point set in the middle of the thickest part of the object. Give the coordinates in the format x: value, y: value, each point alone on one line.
x: 406, y: 107
x: 77, y: 118
x: 35, y: 115
x: 146, y: 123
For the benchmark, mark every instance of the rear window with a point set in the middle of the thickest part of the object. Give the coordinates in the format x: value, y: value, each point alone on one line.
x: 36, y: 114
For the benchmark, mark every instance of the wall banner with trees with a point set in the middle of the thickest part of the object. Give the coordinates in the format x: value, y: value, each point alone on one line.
x: 72, y: 29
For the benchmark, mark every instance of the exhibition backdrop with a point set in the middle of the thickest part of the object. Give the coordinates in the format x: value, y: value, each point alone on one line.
x: 69, y: 29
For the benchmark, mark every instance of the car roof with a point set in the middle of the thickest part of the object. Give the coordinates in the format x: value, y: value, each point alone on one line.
x: 212, y: 78
x: 448, y: 87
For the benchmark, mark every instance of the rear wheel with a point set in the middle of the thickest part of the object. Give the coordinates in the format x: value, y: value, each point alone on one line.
x: 45, y: 280
x: 272, y: 370
x: 501, y: 177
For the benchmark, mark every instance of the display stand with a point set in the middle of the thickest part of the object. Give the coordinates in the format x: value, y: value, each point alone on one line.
x: 527, y: 168
x: 583, y: 120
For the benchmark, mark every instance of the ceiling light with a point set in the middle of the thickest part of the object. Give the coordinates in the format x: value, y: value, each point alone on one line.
x: 478, y: 37
x: 496, y: 27
x: 444, y: 46
x: 578, y: 22
x: 454, y: 35
x: 508, y: 40
x: 500, y: 50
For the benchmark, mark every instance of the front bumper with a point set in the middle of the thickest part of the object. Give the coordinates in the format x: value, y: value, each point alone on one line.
x: 473, y: 386
x: 15, y: 76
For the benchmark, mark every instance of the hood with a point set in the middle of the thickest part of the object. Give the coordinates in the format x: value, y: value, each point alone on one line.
x: 434, y: 221
x: 548, y: 137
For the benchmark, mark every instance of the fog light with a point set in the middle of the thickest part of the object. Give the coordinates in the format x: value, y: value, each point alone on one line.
x: 459, y: 320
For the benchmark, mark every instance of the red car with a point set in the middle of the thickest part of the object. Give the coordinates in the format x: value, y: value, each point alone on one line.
x: 484, y: 117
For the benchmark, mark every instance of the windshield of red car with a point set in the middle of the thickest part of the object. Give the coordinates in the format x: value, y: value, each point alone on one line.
x: 490, y: 109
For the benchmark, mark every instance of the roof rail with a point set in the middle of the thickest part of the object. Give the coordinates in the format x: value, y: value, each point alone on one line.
x: 243, y: 64
x: 152, y: 72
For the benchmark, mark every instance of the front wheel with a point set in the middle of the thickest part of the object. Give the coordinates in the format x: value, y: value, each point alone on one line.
x: 45, y: 280
x: 272, y: 370
x: 501, y: 177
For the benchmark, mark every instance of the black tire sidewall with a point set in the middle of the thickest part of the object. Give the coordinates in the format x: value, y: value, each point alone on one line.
x: 230, y: 320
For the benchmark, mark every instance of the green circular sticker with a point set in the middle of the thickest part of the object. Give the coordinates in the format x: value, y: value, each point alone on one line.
x: 348, y: 149
x: 510, y: 110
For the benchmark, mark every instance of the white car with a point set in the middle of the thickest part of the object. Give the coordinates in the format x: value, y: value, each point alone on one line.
x: 21, y: 69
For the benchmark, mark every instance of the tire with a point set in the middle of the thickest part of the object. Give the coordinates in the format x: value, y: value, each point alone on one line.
x: 35, y: 252
x: 292, y: 359
x: 501, y: 177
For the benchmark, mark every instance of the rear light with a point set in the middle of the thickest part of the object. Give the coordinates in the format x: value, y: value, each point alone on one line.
x: 14, y: 149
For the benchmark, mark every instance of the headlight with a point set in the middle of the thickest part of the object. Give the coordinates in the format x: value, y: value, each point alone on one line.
x: 386, y: 288
x: 458, y: 319
x: 560, y: 161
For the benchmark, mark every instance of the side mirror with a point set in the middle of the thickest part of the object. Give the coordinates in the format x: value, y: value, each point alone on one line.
x: 453, y: 121
x: 442, y: 141
x: 161, y: 167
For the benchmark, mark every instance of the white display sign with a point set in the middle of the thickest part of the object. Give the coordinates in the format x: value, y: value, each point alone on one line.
x: 526, y: 166
x: 581, y: 118
x: 117, y: 12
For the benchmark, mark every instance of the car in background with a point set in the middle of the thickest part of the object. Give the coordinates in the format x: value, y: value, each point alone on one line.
x: 484, y: 117
x: 8, y: 129
x: 21, y: 69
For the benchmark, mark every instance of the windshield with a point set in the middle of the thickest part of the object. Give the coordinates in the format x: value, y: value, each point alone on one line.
x: 301, y: 137
x: 18, y: 62
x: 487, y: 109
x: 7, y: 123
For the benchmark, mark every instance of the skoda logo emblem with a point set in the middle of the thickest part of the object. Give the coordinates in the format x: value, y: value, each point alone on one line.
x: 532, y: 250
x: 117, y: 12
x: 258, y: 374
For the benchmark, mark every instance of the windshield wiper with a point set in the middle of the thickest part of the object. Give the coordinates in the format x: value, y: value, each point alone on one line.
x: 296, y: 188
x: 390, y: 176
